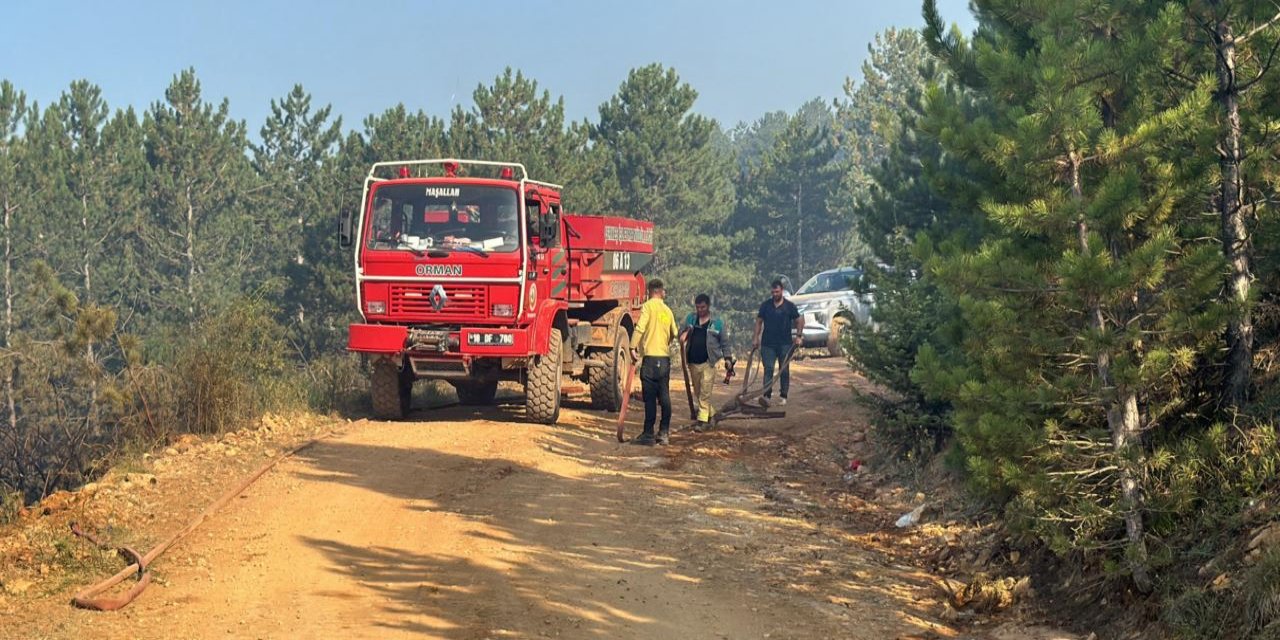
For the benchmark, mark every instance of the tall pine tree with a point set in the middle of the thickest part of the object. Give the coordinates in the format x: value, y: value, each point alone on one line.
x: 299, y: 199
x: 789, y: 198
x: 1088, y: 298
x: 199, y: 247
x: 668, y: 171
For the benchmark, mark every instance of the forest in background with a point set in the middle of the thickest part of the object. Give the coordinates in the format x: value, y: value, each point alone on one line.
x: 1079, y: 208
x: 166, y: 271
x: 1067, y: 220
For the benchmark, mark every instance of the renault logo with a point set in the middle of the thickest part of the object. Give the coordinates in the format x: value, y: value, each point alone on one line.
x: 439, y: 298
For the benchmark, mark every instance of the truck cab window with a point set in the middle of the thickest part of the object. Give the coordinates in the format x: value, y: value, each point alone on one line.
x: 533, y: 210
x: 418, y: 217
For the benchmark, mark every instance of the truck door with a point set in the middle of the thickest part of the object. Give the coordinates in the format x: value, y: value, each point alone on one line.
x: 558, y: 254
x: 550, y: 268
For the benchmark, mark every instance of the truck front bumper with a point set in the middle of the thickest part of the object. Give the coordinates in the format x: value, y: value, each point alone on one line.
x: 469, y: 342
x: 815, y: 333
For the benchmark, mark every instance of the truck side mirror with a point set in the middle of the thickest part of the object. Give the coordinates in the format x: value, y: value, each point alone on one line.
x: 344, y: 231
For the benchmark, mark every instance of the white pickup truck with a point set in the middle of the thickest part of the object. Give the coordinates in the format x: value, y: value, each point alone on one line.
x: 829, y: 303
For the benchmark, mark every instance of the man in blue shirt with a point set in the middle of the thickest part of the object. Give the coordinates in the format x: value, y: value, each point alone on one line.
x: 774, y: 339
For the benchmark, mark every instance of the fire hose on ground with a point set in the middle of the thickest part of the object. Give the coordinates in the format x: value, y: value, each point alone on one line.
x: 139, y: 565
x: 742, y: 403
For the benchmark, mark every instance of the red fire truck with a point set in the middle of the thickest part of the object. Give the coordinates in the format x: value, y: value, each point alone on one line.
x: 468, y: 271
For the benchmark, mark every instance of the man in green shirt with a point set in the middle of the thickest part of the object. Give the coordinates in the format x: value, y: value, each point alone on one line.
x: 706, y: 340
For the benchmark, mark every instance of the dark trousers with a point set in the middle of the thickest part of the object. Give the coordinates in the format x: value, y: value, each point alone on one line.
x: 773, y: 355
x: 655, y: 381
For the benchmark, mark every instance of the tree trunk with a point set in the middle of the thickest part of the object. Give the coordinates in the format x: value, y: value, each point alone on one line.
x: 190, y: 255
x: 1122, y: 420
x: 799, y: 232
x: 1235, y: 234
x: 86, y: 242
x: 89, y: 356
x: 10, y: 405
x: 298, y: 257
x: 301, y: 259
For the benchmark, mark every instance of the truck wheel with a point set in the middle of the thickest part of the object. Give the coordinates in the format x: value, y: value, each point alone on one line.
x: 476, y: 393
x: 542, y: 387
x: 607, y: 381
x: 834, y: 348
x: 391, y: 390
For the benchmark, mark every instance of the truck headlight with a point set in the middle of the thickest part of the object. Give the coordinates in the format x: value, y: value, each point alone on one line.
x: 504, y: 310
x: 375, y: 307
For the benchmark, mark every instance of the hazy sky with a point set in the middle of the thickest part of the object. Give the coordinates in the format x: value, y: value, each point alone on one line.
x: 744, y: 58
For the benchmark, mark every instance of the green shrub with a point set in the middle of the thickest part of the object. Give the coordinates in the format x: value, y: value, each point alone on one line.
x: 335, y: 383
x: 230, y: 368
x: 1261, y: 593
x: 1249, y: 610
x: 10, y: 505
x: 1198, y: 614
x: 908, y: 312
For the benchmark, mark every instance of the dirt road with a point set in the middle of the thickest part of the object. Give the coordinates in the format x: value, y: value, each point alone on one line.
x: 470, y: 524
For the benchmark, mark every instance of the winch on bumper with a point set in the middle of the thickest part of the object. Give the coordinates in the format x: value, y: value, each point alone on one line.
x: 445, y: 352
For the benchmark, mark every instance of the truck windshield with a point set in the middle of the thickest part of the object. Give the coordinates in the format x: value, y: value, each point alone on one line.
x: 827, y: 282
x: 420, y: 217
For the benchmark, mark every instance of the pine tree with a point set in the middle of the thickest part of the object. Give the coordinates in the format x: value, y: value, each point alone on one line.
x: 1235, y: 42
x: 1092, y: 290
x: 395, y: 134
x: 748, y: 142
x: 198, y: 246
x: 908, y: 207
x: 789, y: 198
x: 13, y: 111
x: 511, y: 121
x: 668, y: 171
x: 891, y: 78
x: 120, y: 282
x: 295, y: 163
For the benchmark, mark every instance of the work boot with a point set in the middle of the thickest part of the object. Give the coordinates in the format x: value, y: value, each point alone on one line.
x: 764, y: 401
x: 664, y: 437
x: 702, y: 427
x: 645, y: 440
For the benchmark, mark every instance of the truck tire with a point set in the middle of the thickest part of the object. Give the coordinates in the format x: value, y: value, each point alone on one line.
x: 607, y: 381
x: 476, y: 393
x: 542, y: 385
x: 834, y: 336
x: 390, y: 390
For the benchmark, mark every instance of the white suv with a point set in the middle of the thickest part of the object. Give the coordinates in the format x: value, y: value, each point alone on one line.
x: 829, y: 303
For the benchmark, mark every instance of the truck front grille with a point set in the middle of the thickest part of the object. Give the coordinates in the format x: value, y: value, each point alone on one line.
x: 461, y: 301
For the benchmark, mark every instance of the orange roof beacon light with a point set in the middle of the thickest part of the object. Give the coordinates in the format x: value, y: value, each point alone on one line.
x: 450, y: 169
x: 404, y: 172
x: 507, y: 173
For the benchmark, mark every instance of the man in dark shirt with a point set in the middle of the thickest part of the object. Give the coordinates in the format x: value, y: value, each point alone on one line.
x: 774, y: 323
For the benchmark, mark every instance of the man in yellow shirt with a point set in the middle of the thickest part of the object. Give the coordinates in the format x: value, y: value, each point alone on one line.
x: 651, y: 345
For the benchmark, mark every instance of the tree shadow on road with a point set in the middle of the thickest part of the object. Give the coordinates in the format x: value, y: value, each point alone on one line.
x: 537, y: 551
x: 597, y: 541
